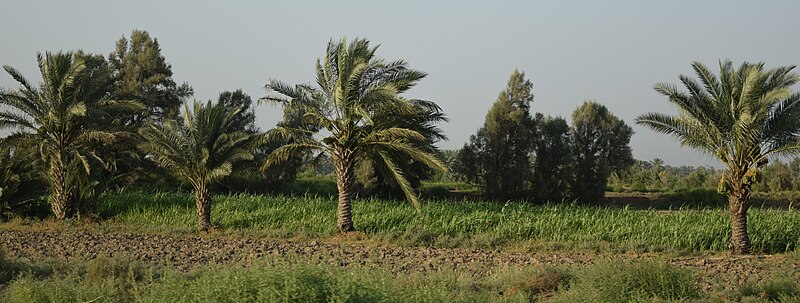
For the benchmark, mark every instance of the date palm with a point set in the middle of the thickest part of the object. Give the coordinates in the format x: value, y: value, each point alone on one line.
x: 60, y: 118
x: 744, y: 116
x: 354, y: 86
x: 201, y: 150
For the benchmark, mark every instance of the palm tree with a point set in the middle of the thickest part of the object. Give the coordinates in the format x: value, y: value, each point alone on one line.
x: 354, y: 86
x: 202, y: 149
x: 55, y: 118
x: 743, y: 117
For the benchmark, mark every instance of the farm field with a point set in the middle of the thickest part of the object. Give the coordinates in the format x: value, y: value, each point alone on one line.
x: 144, y: 248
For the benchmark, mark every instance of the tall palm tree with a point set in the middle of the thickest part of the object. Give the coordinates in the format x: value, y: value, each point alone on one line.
x: 202, y: 149
x: 354, y: 85
x: 743, y: 117
x: 56, y: 118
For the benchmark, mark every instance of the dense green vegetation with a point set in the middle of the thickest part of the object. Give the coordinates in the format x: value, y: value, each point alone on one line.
x: 101, y: 138
x: 119, y: 279
x: 461, y: 223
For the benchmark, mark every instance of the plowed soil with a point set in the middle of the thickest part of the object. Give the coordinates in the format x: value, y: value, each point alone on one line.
x: 187, y: 252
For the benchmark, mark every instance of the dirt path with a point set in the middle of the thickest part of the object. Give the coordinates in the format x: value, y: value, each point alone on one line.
x: 186, y: 252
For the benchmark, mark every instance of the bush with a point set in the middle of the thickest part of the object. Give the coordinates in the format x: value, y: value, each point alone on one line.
x: 697, y: 198
x: 631, y: 281
x: 270, y: 280
x: 777, y: 289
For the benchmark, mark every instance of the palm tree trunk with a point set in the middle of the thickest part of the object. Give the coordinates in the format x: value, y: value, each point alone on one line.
x: 738, y: 204
x: 202, y: 197
x: 61, y: 199
x: 345, y: 179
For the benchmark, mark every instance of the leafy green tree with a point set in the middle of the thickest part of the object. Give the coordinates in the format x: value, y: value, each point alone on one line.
x: 142, y: 73
x: 504, y: 143
x: 247, y: 177
x: 354, y: 86
x: 743, y: 116
x: 245, y: 119
x: 201, y: 150
x: 552, y: 169
x: 600, y: 146
x: 794, y: 171
x: 466, y: 164
x: 776, y: 177
x: 61, y: 118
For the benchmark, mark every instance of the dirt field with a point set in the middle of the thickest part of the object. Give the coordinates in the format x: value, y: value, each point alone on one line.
x: 187, y: 252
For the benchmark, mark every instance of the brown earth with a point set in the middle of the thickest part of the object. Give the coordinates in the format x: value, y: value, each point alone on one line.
x: 187, y: 252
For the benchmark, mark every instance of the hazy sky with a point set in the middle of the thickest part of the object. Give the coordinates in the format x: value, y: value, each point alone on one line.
x: 612, y: 52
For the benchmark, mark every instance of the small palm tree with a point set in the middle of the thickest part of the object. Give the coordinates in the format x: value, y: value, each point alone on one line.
x: 202, y: 149
x: 56, y: 118
x: 354, y: 86
x: 742, y: 117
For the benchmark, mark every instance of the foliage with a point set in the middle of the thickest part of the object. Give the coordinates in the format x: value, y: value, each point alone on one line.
x: 19, y: 182
x: 466, y: 164
x: 778, y: 288
x: 201, y: 150
x: 744, y: 116
x: 655, y: 176
x: 466, y: 224
x: 503, y: 145
x: 142, y: 73
x: 374, y: 177
x: 119, y: 279
x: 776, y: 177
x: 355, y: 87
x: 600, y: 147
x: 631, y: 281
x: 60, y: 118
x: 245, y: 119
x: 552, y: 162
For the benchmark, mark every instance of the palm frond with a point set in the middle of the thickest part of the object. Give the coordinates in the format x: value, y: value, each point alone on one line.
x: 399, y: 176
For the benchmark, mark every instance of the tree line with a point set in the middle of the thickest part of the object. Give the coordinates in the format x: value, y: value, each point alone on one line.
x: 516, y: 155
x: 656, y: 176
x: 96, y: 123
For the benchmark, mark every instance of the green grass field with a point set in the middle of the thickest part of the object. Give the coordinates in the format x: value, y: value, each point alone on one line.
x: 119, y: 279
x: 461, y: 224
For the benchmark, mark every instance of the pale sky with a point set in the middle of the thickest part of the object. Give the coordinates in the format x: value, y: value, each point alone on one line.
x: 612, y: 52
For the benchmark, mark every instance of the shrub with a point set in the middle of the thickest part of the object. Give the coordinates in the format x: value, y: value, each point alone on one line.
x: 631, y: 281
x: 782, y: 288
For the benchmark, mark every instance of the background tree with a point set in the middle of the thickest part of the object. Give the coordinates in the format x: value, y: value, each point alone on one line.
x: 743, y: 116
x: 776, y: 177
x: 504, y: 144
x: 466, y: 164
x: 55, y: 117
x: 201, y: 150
x: 794, y: 171
x: 247, y: 176
x: 142, y: 73
x: 354, y: 85
x: 600, y: 146
x: 552, y: 159
x: 245, y: 118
